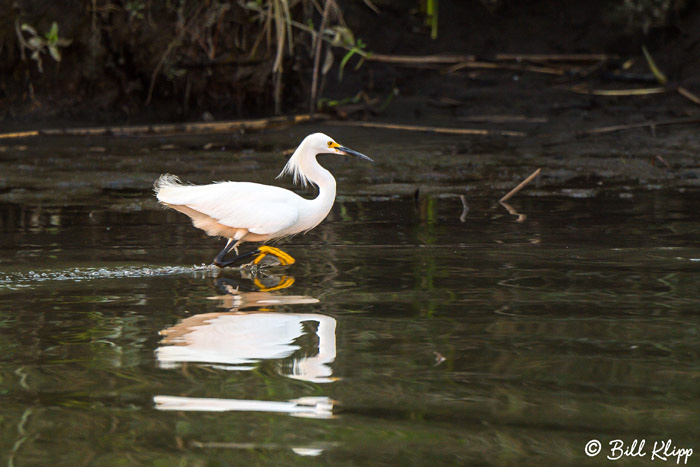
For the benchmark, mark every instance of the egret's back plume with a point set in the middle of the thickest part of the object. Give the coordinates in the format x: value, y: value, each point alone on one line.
x: 295, y: 168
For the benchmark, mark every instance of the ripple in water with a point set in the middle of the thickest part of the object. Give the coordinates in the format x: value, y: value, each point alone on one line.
x: 26, y: 279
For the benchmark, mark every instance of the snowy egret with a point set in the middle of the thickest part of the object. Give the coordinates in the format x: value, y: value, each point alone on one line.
x: 251, y: 212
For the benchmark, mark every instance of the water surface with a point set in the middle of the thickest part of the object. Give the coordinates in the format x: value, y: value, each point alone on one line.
x: 414, y: 328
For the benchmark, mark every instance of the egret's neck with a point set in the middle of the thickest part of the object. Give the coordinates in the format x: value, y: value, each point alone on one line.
x: 304, y: 167
x: 323, y: 179
x: 317, y: 209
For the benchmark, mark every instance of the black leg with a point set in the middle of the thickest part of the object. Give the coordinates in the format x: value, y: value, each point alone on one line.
x: 220, y: 262
x: 220, y: 257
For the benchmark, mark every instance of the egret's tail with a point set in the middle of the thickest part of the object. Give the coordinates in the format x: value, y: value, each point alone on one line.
x: 166, y: 183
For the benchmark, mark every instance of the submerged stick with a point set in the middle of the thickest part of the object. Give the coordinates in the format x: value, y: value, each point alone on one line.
x: 465, y: 208
x: 511, y: 210
x: 520, y: 186
x: 430, y: 129
x: 198, y: 127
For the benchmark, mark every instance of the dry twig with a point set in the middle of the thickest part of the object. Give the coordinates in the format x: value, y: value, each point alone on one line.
x: 520, y: 186
x: 688, y: 95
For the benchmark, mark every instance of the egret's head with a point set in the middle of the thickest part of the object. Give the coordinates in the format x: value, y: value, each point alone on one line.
x: 304, y: 158
x: 324, y: 144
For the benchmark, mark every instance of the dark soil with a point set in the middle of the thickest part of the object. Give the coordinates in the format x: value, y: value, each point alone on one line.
x: 107, y: 70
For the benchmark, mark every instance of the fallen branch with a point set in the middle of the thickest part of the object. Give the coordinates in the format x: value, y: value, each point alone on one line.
x: 502, y: 119
x: 520, y: 186
x: 555, y: 57
x: 198, y: 127
x: 506, y: 66
x: 631, y: 126
x: 618, y: 92
x: 458, y: 58
x: 412, y: 60
x: 429, y: 129
x: 419, y: 59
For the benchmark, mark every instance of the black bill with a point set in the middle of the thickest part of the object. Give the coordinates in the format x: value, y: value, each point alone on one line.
x: 350, y: 152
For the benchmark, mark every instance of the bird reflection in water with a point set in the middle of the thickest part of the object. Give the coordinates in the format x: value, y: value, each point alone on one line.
x: 304, y: 344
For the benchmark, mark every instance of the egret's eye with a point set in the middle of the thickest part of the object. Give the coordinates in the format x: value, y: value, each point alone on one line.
x: 330, y: 144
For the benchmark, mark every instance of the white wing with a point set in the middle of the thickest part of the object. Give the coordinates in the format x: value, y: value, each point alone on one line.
x: 262, y: 209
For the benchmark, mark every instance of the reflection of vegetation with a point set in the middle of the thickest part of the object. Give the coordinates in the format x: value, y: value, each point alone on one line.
x: 427, y: 267
x: 344, y: 212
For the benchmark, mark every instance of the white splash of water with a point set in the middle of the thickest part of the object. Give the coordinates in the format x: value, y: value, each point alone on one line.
x: 18, y: 280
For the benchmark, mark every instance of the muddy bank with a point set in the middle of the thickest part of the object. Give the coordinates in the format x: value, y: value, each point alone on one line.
x: 121, y: 170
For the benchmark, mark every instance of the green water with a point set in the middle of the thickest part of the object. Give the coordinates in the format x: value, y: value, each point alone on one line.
x: 412, y: 330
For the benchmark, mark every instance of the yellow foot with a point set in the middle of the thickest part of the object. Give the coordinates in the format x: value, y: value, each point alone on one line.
x: 283, y: 283
x: 282, y: 257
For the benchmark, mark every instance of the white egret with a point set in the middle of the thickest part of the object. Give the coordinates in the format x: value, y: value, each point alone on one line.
x: 251, y: 212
